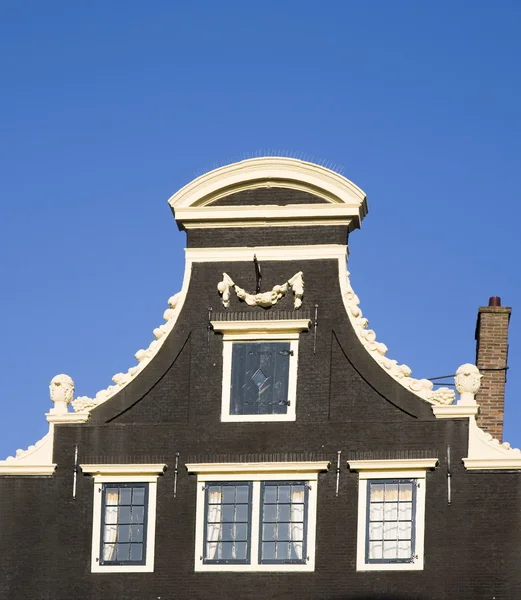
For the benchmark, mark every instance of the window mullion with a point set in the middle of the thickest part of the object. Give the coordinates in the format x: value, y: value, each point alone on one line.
x: 255, y: 523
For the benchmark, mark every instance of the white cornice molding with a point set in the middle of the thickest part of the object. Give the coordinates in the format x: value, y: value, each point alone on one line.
x: 291, y: 215
x: 266, y: 253
x: 123, y: 469
x: 454, y: 411
x: 258, y: 328
x: 269, y: 171
x: 401, y: 373
x: 258, y: 468
x: 398, y: 464
x: 35, y: 461
x: 346, y: 203
x: 485, y: 452
x: 70, y: 417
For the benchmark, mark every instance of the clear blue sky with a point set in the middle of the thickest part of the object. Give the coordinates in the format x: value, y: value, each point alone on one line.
x: 107, y: 108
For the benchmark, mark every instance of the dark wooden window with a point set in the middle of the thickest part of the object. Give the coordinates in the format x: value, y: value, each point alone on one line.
x: 391, y: 514
x: 283, y: 527
x: 227, y: 522
x: 260, y: 374
x: 124, y: 510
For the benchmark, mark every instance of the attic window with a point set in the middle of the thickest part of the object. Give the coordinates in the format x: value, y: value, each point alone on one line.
x: 260, y: 360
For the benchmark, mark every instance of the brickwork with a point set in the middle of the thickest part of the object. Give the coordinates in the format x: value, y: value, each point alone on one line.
x: 491, y: 359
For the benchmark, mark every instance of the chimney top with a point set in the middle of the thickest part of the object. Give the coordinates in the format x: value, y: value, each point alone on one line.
x: 494, y: 301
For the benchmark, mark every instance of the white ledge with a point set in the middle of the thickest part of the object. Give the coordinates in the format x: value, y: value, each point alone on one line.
x: 485, y: 452
x: 124, y: 469
x: 261, y: 327
x: 70, y: 417
x: 399, y: 464
x: 454, y: 411
x: 473, y: 464
x: 267, y: 215
x: 21, y: 469
x: 258, y: 468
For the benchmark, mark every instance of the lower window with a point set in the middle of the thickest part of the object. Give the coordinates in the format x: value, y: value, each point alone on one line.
x: 391, y: 513
x: 124, y: 516
x: 260, y: 518
x: 123, y: 523
x: 281, y: 510
x: 390, y: 520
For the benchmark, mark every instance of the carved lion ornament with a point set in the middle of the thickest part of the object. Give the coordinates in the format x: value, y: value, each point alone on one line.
x: 62, y: 392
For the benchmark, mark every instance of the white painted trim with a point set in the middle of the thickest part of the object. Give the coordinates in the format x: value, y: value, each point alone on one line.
x: 265, y: 253
x: 256, y: 328
x: 296, y: 215
x: 417, y: 565
x: 269, y: 171
x: 454, y: 411
x: 487, y: 453
x: 26, y: 470
x: 107, y: 477
x: 399, y: 464
x: 124, y: 469
x: 70, y: 417
x: 268, y: 335
x: 36, y: 461
x: 258, y: 469
x: 257, y: 472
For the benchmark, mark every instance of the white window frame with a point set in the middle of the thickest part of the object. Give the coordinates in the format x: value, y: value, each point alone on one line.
x: 124, y: 473
x: 260, y: 331
x: 391, y: 469
x: 256, y: 473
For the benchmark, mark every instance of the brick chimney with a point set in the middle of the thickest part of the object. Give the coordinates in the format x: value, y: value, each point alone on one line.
x: 491, y: 360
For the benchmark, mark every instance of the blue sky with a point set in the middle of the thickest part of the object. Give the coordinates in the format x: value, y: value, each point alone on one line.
x: 108, y: 108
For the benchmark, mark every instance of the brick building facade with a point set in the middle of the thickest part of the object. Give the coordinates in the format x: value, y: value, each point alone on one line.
x: 265, y: 446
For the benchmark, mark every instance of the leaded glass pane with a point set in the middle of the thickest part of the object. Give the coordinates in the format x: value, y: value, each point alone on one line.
x: 123, y: 505
x: 390, y: 519
x: 227, y: 516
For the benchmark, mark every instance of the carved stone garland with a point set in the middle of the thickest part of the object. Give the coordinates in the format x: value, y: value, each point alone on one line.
x: 266, y: 299
x: 421, y: 387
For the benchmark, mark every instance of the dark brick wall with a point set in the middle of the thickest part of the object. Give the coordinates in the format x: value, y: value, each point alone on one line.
x: 277, y: 196
x: 345, y: 402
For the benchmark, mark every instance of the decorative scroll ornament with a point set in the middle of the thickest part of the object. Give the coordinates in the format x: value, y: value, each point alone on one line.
x: 266, y: 299
x: 421, y: 387
x: 83, y: 404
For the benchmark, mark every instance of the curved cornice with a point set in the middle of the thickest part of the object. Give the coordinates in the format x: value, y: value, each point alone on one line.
x: 192, y: 204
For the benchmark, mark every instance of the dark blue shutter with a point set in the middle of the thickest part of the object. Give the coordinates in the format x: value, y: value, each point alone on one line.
x: 260, y: 373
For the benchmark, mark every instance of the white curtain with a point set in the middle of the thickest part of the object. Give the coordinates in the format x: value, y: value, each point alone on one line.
x: 297, y: 522
x: 110, y: 532
x: 214, y: 519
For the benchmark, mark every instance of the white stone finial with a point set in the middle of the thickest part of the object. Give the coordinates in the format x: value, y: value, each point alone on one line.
x: 62, y: 392
x: 468, y: 380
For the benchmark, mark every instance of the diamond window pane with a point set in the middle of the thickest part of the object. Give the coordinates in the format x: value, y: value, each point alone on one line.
x: 390, y: 549
x: 123, y: 552
x: 125, y: 496
x: 404, y: 549
x: 124, y: 514
x: 375, y: 550
x: 376, y: 531
x: 136, y: 552
x: 123, y: 533
x: 405, y: 511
